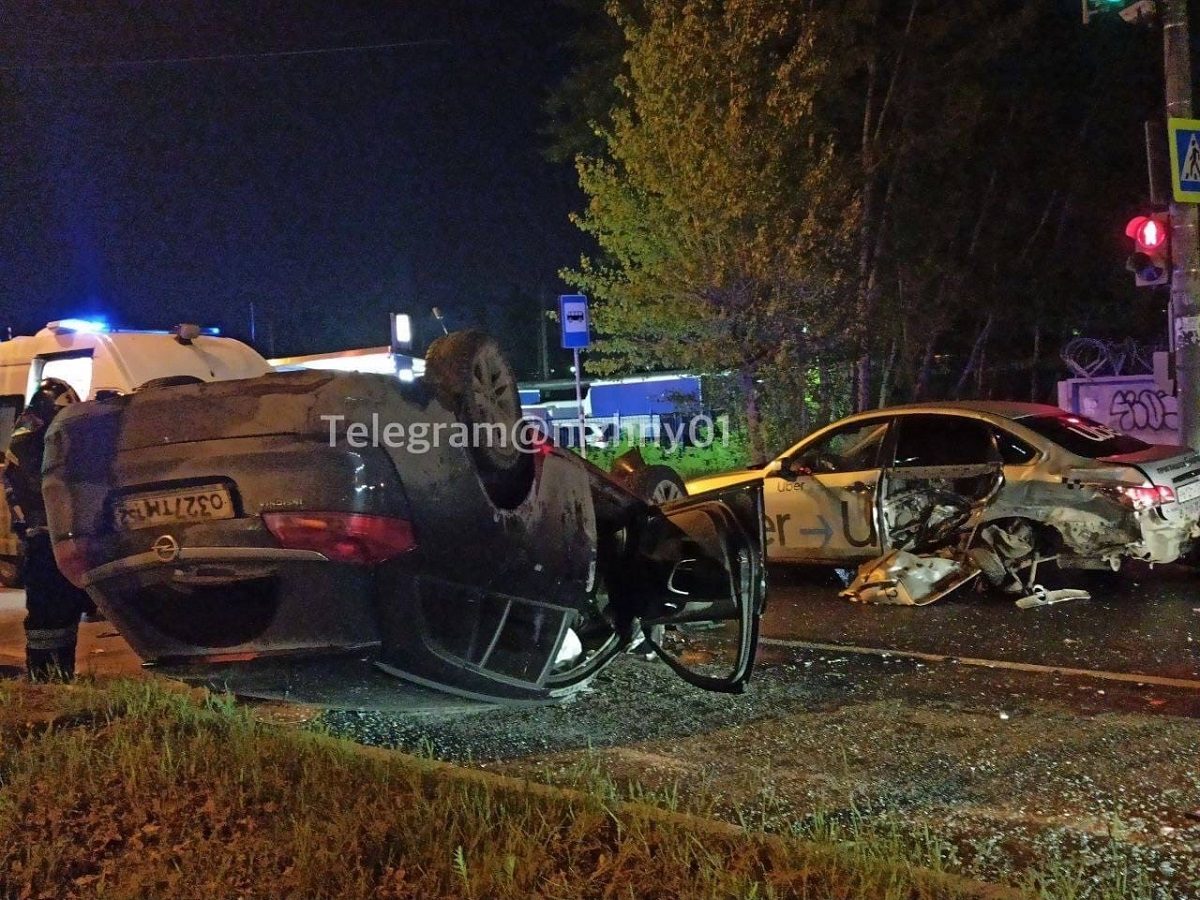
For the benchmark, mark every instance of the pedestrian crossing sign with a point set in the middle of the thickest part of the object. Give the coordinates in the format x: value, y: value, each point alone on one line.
x: 1184, y: 141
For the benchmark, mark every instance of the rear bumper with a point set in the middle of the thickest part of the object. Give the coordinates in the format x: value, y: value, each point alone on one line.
x: 152, y: 559
x: 235, y: 603
x: 1167, y: 535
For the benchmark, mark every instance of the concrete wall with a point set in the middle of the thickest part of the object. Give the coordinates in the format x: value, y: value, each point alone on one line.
x: 1128, y: 403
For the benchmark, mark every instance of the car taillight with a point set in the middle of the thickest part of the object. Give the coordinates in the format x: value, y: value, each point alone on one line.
x: 74, y: 559
x: 1145, y: 497
x: 342, y: 537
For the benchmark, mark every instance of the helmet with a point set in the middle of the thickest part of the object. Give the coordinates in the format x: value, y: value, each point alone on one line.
x: 51, y: 396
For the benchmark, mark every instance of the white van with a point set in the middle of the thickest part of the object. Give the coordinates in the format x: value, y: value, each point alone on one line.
x: 96, y: 359
x: 93, y: 358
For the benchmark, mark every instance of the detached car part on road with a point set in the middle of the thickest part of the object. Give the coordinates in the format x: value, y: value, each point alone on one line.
x: 996, y: 486
x: 227, y: 521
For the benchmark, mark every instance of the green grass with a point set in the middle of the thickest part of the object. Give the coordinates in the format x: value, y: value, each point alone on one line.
x: 689, y: 462
x: 133, y: 789
x: 873, y: 835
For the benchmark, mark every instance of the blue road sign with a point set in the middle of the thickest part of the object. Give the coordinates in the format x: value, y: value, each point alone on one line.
x: 1184, y: 143
x: 575, y: 321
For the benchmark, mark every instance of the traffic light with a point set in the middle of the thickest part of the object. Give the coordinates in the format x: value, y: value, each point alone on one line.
x: 1150, y: 262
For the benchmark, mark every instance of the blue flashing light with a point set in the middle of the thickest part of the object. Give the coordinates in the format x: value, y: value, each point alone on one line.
x: 81, y: 326
x: 101, y: 326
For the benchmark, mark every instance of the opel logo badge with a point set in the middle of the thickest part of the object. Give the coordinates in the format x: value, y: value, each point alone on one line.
x: 166, y: 548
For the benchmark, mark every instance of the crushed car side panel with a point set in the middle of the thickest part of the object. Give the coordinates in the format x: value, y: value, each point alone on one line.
x: 1087, y: 510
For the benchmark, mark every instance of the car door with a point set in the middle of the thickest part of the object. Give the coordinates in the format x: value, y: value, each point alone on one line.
x: 820, y: 500
x: 695, y: 581
x: 942, y: 468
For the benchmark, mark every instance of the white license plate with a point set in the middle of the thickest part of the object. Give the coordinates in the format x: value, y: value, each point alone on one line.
x: 1188, y: 492
x: 193, y: 504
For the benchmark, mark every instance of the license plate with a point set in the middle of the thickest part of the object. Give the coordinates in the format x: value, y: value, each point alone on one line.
x: 1188, y: 492
x: 193, y: 504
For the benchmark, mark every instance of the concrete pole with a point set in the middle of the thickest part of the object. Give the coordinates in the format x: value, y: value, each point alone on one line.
x: 1185, y: 252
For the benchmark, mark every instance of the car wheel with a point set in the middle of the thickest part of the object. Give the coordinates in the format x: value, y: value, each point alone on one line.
x: 657, y: 484
x: 990, y: 565
x: 471, y: 377
x: 1191, y: 556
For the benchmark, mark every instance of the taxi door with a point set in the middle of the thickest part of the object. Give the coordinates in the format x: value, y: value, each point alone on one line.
x: 944, y: 462
x: 820, y: 497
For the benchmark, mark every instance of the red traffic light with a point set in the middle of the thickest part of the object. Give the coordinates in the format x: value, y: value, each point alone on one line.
x: 1150, y: 233
x: 1150, y: 261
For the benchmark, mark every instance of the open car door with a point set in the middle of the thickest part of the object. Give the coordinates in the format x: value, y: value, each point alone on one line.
x: 697, y: 581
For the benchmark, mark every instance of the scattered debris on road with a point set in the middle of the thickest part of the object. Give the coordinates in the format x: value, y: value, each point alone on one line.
x: 945, y: 548
x: 905, y: 579
x: 1043, y: 597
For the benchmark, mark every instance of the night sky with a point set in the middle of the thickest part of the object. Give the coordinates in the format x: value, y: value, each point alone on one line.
x: 326, y: 189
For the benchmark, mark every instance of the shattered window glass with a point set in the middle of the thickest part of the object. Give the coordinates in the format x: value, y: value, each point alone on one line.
x: 942, y: 441
x: 854, y: 448
x: 1013, y: 450
x: 1082, y: 436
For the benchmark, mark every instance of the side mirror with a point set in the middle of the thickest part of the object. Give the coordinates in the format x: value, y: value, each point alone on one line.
x: 788, y: 468
x: 797, y: 468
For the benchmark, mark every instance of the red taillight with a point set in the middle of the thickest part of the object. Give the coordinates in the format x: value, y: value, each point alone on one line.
x: 73, y: 559
x: 1146, y: 497
x: 342, y: 537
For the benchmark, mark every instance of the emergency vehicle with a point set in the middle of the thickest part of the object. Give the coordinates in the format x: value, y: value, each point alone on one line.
x: 99, y: 360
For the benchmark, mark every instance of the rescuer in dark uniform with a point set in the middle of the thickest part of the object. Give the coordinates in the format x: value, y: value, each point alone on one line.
x: 53, y: 605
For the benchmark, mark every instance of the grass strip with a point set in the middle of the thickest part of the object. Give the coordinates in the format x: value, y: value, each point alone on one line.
x: 137, y: 788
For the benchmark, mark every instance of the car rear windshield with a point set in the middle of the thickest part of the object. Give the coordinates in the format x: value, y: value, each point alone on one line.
x: 1082, y: 436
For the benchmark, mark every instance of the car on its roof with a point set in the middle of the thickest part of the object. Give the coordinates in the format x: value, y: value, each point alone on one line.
x: 1055, y: 483
x: 301, y: 514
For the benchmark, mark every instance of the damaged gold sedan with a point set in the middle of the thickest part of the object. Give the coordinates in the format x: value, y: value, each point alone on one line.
x: 929, y: 496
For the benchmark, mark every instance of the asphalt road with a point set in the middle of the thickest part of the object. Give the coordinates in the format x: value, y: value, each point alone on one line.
x: 1138, y: 622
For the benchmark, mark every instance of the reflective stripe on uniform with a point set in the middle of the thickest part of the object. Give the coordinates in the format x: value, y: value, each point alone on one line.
x: 50, y: 638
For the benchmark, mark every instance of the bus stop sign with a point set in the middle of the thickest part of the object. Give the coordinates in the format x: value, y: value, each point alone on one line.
x: 575, y: 321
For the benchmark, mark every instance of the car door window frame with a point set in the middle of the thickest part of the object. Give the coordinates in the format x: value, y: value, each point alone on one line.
x: 796, y: 453
x: 895, y: 474
x: 1000, y: 430
x: 897, y: 430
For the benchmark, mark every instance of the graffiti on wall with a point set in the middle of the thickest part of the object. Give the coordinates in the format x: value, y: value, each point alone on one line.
x: 1147, y: 409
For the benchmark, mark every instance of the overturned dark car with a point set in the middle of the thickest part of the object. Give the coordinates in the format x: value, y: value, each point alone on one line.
x: 309, y: 513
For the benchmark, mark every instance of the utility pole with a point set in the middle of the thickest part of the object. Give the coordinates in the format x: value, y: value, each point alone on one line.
x: 543, y: 339
x: 1185, y: 273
